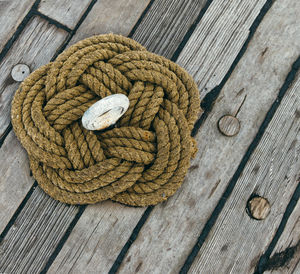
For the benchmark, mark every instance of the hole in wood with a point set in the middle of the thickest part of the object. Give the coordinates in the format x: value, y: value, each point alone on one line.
x: 258, y: 207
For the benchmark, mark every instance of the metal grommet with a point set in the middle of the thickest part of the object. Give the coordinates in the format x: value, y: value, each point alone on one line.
x: 105, y: 112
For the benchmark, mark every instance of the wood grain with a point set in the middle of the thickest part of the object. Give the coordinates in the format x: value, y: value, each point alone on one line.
x: 35, y: 47
x: 110, y: 17
x: 287, y: 247
x: 11, y: 15
x: 173, y: 228
x: 13, y: 160
x: 215, y: 44
x: 172, y: 21
x: 67, y: 12
x: 229, y: 125
x: 19, y: 251
x: 236, y: 241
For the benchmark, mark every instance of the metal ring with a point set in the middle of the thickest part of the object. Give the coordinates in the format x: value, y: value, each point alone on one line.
x: 105, y: 112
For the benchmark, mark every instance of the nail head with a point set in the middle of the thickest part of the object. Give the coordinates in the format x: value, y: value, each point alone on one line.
x: 20, y: 72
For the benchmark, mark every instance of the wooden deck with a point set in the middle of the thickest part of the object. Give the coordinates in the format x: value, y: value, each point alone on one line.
x: 244, y: 56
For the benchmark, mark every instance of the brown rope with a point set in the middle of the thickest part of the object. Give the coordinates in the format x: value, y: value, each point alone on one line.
x: 143, y: 160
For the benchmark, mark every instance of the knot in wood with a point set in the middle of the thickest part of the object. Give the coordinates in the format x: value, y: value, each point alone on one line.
x: 143, y: 160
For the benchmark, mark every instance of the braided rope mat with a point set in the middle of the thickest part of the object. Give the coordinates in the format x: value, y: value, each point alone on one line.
x: 143, y: 159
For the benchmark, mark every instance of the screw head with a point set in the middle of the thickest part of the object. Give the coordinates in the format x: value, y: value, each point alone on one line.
x: 20, y: 72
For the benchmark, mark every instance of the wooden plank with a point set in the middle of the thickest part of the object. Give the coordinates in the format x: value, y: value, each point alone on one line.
x: 220, y: 36
x: 120, y: 14
x: 236, y: 240
x: 174, y: 21
x: 19, y: 252
x: 11, y: 15
x: 173, y: 228
x: 35, y: 47
x: 73, y: 255
x: 285, y: 257
x: 66, y: 12
x: 13, y: 160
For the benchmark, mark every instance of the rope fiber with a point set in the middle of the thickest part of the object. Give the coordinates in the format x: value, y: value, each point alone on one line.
x: 143, y: 159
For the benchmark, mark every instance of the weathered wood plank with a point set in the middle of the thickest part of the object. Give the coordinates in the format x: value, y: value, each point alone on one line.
x: 173, y: 227
x: 13, y: 160
x: 220, y: 36
x: 66, y: 12
x: 120, y: 14
x: 19, y: 253
x: 161, y: 34
x: 11, y: 15
x: 286, y: 253
x: 35, y: 47
x: 236, y: 241
x: 174, y: 21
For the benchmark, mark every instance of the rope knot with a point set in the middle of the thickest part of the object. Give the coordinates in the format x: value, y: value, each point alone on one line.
x: 143, y: 160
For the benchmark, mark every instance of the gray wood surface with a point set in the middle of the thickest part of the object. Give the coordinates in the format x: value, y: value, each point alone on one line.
x: 66, y: 12
x: 13, y: 161
x: 108, y: 16
x: 23, y: 250
x: 236, y: 240
x: 223, y: 30
x: 289, y: 242
x: 173, y: 228
x: 11, y: 15
x: 174, y: 18
x: 35, y: 47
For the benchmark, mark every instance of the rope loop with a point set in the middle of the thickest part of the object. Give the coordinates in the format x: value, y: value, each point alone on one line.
x: 140, y: 162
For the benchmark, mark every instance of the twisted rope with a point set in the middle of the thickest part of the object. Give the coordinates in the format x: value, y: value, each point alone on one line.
x: 143, y: 160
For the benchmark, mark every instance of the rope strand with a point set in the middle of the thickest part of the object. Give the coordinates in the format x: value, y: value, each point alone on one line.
x: 140, y: 162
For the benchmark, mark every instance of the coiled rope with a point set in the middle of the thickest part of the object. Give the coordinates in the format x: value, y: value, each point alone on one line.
x: 143, y: 159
